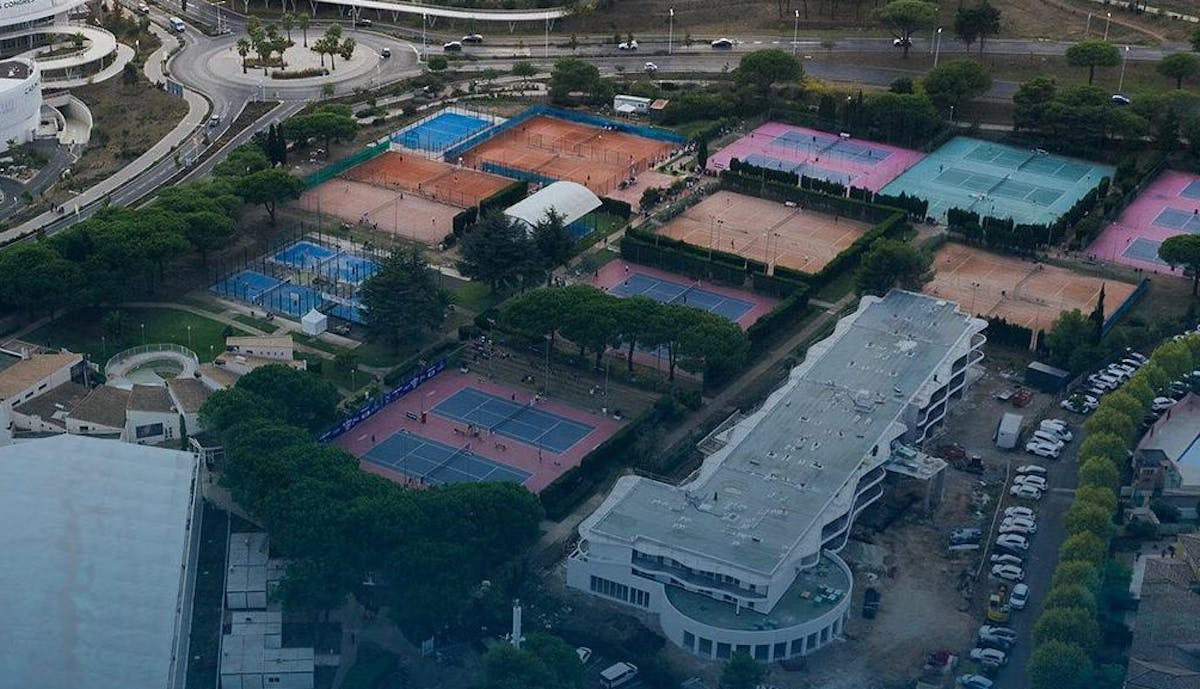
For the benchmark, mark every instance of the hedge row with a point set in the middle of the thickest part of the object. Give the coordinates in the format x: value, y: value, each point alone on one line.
x: 505, y: 197
x: 781, y: 176
x: 785, y: 314
x: 616, y: 207
x: 855, y: 209
x: 637, y: 248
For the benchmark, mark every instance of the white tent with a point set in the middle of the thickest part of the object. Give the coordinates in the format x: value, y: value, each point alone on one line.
x: 314, y: 323
x: 570, y: 200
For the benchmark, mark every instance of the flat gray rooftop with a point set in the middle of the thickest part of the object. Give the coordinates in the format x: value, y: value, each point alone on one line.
x: 755, y: 499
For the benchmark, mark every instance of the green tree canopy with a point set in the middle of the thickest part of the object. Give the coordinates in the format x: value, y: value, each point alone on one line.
x: 270, y: 187
x: 892, y: 263
x: 241, y: 161
x: 499, y: 251
x: 1110, y: 421
x: 1076, y: 572
x: 308, y: 401
x: 1179, y: 66
x: 1069, y: 341
x: 1098, y: 471
x: 1059, y: 665
x: 956, y: 82
x: 553, y: 241
x: 1074, y: 626
x: 1174, y: 358
x: 37, y: 280
x: 1084, y: 546
x: 976, y: 23
x: 572, y: 75
x: 1085, y: 517
x: 404, y: 300
x: 1100, y: 496
x: 742, y: 672
x: 1071, y: 596
x: 906, y: 17
x: 762, y: 68
x: 1093, y: 54
x: 1030, y: 102
x: 904, y: 118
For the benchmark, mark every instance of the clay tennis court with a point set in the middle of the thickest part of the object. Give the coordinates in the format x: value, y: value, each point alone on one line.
x: 1020, y: 291
x: 437, y: 181
x: 559, y: 150
x: 765, y: 231
x: 400, y: 214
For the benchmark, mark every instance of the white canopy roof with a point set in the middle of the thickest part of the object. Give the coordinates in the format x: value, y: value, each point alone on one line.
x: 569, y: 199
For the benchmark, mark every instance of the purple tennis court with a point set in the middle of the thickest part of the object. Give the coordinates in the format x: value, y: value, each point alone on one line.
x: 813, y: 153
x: 1168, y: 207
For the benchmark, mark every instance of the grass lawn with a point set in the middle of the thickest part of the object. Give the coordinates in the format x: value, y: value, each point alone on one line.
x: 475, y: 296
x: 837, y: 288
x: 259, y: 323
x: 373, y: 664
x: 203, y: 304
x: 82, y: 331
x: 317, y: 343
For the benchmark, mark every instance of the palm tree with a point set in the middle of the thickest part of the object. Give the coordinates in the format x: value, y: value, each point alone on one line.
x: 346, y: 50
x: 286, y: 21
x: 243, y: 49
x: 302, y: 21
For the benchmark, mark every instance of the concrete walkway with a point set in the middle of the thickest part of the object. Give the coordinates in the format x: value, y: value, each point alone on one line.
x: 195, y: 118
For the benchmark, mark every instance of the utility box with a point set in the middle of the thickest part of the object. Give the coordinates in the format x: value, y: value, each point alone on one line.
x: 1046, y: 378
x: 1009, y: 431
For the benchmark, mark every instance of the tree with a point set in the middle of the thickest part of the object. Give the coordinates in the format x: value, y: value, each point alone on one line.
x: 650, y: 198
x: 317, y: 584
x: 906, y: 17
x: 1174, y: 358
x: 572, y: 75
x: 1083, y: 546
x: 702, y: 153
x: 890, y: 263
x: 509, y: 667
x: 37, y: 280
x: 208, y: 230
x: 1083, y: 517
x: 1097, y: 495
x: 1179, y: 66
x: 1098, y: 471
x: 498, y: 251
x: 976, y: 23
x: 762, y: 68
x: 1074, y: 626
x: 1093, y: 54
x: 536, y: 312
x: 329, y: 123
x: 711, y: 343
x: 1183, y: 250
x: 346, y: 49
x: 558, y: 656
x: 1072, y: 572
x: 955, y: 82
x: 308, y: 401
x: 269, y: 187
x: 1111, y: 422
x: 524, y: 70
x: 302, y: 21
x: 903, y: 118
x: 1030, y: 102
x: 1166, y: 512
x: 242, y: 160
x: 403, y: 300
x: 1195, y: 40
x: 1059, y: 665
x: 287, y: 21
x: 590, y: 320
x: 553, y: 241
x: 243, y: 49
x: 742, y: 672
x: 1070, y: 596
x: 1069, y: 340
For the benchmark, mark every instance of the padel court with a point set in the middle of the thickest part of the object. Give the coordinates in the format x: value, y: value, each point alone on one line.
x: 434, y: 463
x: 521, y: 422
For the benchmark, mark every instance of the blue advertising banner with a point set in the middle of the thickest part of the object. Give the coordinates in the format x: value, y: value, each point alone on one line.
x: 375, y: 405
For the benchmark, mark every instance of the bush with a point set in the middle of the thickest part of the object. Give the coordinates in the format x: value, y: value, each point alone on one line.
x: 437, y: 63
x: 299, y: 73
x: 1165, y: 511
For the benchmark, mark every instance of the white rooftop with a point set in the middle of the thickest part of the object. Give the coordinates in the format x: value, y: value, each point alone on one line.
x: 94, y: 543
x: 569, y: 199
x: 756, y: 499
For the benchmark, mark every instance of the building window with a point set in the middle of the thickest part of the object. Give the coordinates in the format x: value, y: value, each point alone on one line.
x: 780, y: 650
x: 812, y: 641
x: 705, y: 647
x: 762, y: 652
x: 621, y: 592
x: 689, y: 640
x: 639, y: 597
x: 825, y: 635
x: 722, y: 651
x: 148, y: 431
x: 743, y: 648
x: 797, y: 647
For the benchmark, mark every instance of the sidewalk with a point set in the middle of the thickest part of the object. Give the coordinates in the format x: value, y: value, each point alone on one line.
x: 196, y: 115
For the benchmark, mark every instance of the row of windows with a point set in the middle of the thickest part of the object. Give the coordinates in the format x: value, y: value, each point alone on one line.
x: 621, y: 592
x: 759, y: 652
x: 671, y: 562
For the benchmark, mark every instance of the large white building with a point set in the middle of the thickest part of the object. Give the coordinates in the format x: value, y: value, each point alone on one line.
x: 743, y: 555
x: 99, y: 556
x: 20, y: 101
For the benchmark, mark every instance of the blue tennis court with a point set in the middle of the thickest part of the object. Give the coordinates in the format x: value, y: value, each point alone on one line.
x: 248, y: 285
x: 667, y: 292
x: 434, y: 463
x: 440, y: 132
x: 1143, y: 249
x: 293, y: 300
x: 1176, y: 219
x: 349, y: 268
x: 352, y: 312
x: 521, y: 422
x: 1191, y: 191
x: 304, y: 254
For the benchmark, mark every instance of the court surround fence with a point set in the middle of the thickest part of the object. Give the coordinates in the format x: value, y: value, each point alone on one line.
x: 377, y: 404
x: 337, y: 167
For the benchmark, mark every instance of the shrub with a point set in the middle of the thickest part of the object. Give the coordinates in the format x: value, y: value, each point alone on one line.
x: 299, y: 73
x: 1165, y: 511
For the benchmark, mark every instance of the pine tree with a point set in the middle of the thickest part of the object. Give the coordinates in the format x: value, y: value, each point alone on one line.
x: 1097, y: 318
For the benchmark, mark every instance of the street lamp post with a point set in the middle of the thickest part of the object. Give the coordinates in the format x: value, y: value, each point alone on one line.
x: 671, y: 30
x: 937, y: 51
x: 1087, y: 29
x: 795, y: 31
x: 424, y: 17
x: 189, y: 329
x: 1124, y: 59
x: 951, y: 114
x: 1107, y: 21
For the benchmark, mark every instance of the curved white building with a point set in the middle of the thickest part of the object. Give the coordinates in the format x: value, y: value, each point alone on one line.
x: 743, y: 555
x: 44, y: 31
x: 20, y: 101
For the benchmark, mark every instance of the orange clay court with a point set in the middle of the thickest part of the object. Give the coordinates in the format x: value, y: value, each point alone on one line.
x: 1019, y: 291
x: 408, y: 216
x: 437, y: 181
x: 766, y: 231
x: 594, y: 157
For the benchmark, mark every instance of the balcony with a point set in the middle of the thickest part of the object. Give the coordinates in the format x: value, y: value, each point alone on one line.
x: 689, y: 579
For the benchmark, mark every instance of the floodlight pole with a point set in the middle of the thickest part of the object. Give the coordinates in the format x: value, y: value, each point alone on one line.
x: 424, y: 51
x: 937, y: 52
x: 671, y: 31
x: 1124, y: 59
x: 795, y: 32
x: 1107, y: 22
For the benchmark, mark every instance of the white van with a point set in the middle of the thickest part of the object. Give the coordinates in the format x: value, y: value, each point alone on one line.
x: 177, y: 24
x: 617, y: 675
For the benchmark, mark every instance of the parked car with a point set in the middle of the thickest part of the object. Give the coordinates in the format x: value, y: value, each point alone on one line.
x: 1030, y: 480
x: 627, y: 45
x: 902, y: 42
x: 473, y: 38
x: 1137, y: 356
x: 1020, y: 511
x: 362, y: 21
x: 997, y: 630
x: 722, y: 43
x: 385, y: 53
x: 975, y: 682
x: 1042, y: 450
x: 1007, y: 560
x: 143, y: 8
x: 1008, y: 572
x: 1058, y: 428
x: 1025, y: 492
x: 1080, y: 403
x: 1162, y: 403
x: 1032, y: 469
x: 1019, y: 597
x: 452, y: 47
x: 966, y: 533
x: 1015, y: 529
x: 584, y: 653
x: 996, y: 642
x: 650, y: 68
x: 989, y: 657
x: 1027, y: 522
x: 1047, y: 438
x: 1120, y: 100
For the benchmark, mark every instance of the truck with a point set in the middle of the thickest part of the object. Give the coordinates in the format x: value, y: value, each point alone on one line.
x: 1046, y: 378
x: 997, y: 607
x: 1009, y: 431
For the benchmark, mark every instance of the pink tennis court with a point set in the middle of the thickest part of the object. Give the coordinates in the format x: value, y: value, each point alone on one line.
x: 817, y: 154
x: 1169, y: 207
x: 459, y: 427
